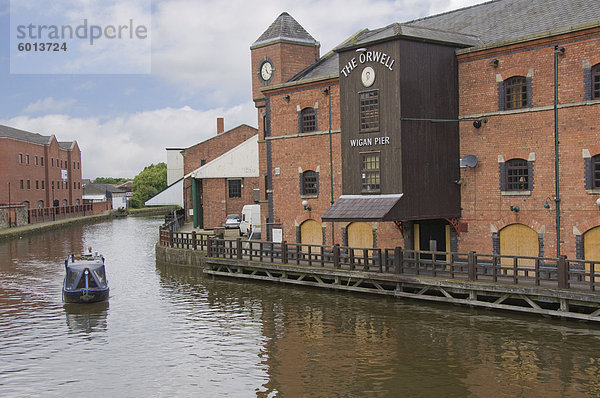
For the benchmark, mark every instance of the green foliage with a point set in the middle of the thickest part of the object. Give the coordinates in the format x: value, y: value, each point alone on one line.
x: 148, y: 183
x: 110, y: 180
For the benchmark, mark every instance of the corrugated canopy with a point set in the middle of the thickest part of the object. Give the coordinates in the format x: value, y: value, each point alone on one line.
x: 362, y: 208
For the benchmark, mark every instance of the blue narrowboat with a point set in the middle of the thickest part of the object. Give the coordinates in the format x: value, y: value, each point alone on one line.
x: 85, y: 280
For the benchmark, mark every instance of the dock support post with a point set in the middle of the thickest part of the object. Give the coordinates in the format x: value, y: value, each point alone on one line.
x: 194, y: 242
x: 170, y: 238
x: 238, y: 243
x: 471, y: 266
x: 336, y: 256
x: 563, y: 280
x: 209, y: 247
x: 284, y: 252
x: 398, y: 260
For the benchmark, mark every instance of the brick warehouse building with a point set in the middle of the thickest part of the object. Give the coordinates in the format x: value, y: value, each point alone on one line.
x: 41, y: 171
x: 452, y: 136
x: 215, y: 182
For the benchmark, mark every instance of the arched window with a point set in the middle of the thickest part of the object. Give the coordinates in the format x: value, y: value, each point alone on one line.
x: 40, y: 204
x: 309, y: 183
x: 595, y: 172
x: 515, y: 93
x: 308, y: 120
x: 517, y: 175
x: 596, y: 82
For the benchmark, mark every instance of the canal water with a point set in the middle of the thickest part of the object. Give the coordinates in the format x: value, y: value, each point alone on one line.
x: 171, y: 331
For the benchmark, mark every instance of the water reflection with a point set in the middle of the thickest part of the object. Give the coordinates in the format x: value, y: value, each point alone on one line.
x: 171, y: 330
x: 87, y: 318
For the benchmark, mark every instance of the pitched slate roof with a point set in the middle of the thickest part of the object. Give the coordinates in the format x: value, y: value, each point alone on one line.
x: 363, y: 208
x: 22, y: 135
x: 490, y: 22
x: 502, y: 20
x: 416, y: 32
x: 285, y: 27
x: 34, y: 138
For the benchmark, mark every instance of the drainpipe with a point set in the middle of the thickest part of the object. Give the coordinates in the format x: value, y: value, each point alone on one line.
x: 331, y: 164
x: 194, y: 202
x: 557, y: 51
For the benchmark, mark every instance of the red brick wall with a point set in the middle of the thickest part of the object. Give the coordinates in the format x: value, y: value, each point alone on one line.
x: 216, y: 201
x: 521, y: 132
x: 12, y: 171
x: 215, y: 147
x: 288, y: 59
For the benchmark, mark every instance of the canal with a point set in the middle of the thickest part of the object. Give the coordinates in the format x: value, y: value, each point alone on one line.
x: 171, y: 331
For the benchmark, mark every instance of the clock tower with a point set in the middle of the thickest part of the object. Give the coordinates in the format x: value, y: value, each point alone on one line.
x: 282, y: 51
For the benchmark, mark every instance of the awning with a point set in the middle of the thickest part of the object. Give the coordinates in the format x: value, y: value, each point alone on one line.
x: 363, y: 208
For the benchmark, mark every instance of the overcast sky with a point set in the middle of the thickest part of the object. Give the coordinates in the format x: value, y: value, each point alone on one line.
x: 200, y: 70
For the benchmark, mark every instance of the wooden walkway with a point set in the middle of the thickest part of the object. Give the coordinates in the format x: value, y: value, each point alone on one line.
x: 558, y: 287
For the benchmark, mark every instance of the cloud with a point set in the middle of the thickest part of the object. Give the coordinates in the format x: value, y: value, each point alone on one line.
x: 123, y: 146
x: 204, y: 46
x: 49, y: 104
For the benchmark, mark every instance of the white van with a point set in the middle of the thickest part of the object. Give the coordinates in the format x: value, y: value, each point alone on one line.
x: 250, y: 219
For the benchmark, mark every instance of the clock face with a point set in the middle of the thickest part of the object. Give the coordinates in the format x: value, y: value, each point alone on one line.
x: 266, y: 71
x: 368, y: 76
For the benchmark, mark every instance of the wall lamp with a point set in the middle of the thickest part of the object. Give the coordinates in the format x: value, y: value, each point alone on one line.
x: 306, y: 206
x: 515, y: 209
x: 458, y: 181
x: 598, y: 202
x: 559, y: 50
x: 325, y: 91
x: 478, y: 123
x: 287, y: 98
x: 494, y: 62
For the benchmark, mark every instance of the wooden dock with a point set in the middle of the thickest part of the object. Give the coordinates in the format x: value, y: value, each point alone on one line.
x: 557, y: 287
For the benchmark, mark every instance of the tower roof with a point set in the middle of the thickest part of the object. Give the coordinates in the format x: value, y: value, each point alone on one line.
x: 285, y: 27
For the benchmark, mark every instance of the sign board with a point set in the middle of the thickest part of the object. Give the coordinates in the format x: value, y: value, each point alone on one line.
x: 277, y: 235
x: 63, y: 175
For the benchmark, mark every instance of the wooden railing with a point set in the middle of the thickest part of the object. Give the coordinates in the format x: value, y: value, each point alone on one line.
x: 561, y: 273
x: 45, y: 214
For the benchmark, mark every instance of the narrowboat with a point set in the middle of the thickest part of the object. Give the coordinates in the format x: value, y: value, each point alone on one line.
x: 85, y: 279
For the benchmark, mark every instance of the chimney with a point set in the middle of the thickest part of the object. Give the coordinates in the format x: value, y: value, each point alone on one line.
x: 220, y: 125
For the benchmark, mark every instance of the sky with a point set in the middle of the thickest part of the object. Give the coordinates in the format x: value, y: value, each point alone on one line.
x: 125, y: 105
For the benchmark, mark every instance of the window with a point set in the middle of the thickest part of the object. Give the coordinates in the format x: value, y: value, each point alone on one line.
x: 37, y: 184
x: 515, y: 93
x: 370, y: 172
x: 596, y: 82
x: 308, y: 120
x: 22, y: 184
x: 517, y: 175
x: 20, y: 158
x: 52, y: 161
x: 235, y: 188
x: 369, y: 111
x: 26, y: 159
x: 52, y: 184
x: 28, y: 185
x: 309, y: 183
x: 35, y: 160
x: 43, y: 184
x: 73, y: 164
x: 42, y: 160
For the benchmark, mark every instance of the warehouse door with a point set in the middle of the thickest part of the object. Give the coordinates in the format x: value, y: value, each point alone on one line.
x: 519, y: 240
x: 591, y: 247
x: 311, y: 233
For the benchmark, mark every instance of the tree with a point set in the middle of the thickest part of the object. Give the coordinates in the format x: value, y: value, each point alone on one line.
x: 148, y: 183
x: 110, y: 180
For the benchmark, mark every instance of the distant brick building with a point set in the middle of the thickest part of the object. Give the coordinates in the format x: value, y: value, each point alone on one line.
x: 38, y: 171
x: 215, y: 184
x: 442, y: 131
